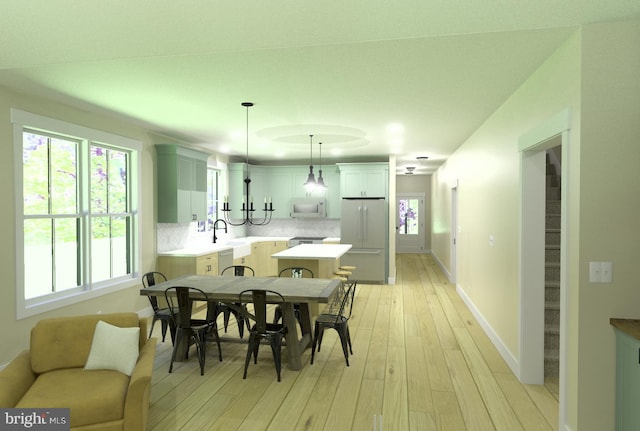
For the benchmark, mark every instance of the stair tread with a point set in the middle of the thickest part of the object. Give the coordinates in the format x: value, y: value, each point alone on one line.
x: 552, y: 305
x: 551, y: 355
x: 552, y: 246
x: 551, y: 283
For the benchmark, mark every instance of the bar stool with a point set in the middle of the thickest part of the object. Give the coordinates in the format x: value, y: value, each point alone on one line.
x: 345, y: 270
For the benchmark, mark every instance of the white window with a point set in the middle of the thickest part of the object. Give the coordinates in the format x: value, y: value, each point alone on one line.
x: 76, y: 212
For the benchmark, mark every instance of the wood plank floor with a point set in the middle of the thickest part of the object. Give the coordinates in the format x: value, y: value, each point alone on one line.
x: 420, y: 362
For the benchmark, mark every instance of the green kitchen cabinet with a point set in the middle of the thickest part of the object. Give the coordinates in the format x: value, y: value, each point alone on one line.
x: 363, y: 179
x: 627, y: 382
x: 182, y: 184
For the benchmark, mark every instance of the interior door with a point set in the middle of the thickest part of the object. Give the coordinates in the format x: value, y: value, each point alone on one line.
x: 410, y: 218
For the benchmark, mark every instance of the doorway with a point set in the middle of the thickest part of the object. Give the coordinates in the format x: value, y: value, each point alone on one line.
x: 410, y: 232
x: 533, y: 148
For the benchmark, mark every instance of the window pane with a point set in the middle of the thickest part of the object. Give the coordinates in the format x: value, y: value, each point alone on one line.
x: 118, y: 202
x: 119, y: 246
x: 35, y: 167
x: 408, y: 214
x: 66, y: 253
x: 99, y: 180
x: 109, y: 247
x: 63, y: 177
x: 38, y: 268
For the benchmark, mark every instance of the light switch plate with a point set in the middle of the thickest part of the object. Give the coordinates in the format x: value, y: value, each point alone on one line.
x: 600, y: 272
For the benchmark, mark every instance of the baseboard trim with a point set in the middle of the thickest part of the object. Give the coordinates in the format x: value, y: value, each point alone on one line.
x: 506, y: 354
x: 442, y: 267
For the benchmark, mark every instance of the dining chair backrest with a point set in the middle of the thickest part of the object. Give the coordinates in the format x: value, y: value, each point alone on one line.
x: 151, y: 279
x: 296, y: 272
x: 258, y: 297
x: 239, y: 270
x: 184, y: 297
x: 346, y: 302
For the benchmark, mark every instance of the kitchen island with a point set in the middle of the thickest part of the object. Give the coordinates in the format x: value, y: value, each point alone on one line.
x: 322, y: 259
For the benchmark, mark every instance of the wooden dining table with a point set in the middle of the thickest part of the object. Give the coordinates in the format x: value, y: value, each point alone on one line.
x: 303, y: 291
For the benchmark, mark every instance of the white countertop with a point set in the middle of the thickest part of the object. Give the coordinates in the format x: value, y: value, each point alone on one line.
x: 313, y: 252
x: 203, y: 249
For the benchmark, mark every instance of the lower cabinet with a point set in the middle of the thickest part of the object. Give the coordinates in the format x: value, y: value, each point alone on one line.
x: 176, y: 266
x: 627, y: 382
x: 212, y: 264
x: 260, y: 258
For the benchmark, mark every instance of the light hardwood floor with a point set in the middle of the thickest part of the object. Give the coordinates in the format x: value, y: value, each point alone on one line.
x: 420, y: 362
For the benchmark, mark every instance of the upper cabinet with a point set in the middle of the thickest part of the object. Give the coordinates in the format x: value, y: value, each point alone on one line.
x: 279, y: 184
x: 364, y: 179
x: 182, y: 184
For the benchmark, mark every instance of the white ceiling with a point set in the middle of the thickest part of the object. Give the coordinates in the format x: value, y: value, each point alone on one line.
x: 366, y: 78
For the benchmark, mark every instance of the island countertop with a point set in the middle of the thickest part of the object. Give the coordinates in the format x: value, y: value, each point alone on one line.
x: 314, y: 252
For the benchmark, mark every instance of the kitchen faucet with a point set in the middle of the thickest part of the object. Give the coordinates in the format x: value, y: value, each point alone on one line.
x: 215, y: 227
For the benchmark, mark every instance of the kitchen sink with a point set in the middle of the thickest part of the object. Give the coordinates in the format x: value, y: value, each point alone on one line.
x: 241, y: 247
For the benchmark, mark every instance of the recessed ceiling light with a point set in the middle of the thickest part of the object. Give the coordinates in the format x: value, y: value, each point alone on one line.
x: 422, y: 157
x: 395, y: 128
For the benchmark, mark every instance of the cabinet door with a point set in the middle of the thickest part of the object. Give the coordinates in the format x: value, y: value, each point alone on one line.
x: 351, y: 183
x: 181, y: 183
x: 332, y: 193
x: 374, y: 183
x: 279, y: 191
x: 207, y: 265
x: 627, y: 382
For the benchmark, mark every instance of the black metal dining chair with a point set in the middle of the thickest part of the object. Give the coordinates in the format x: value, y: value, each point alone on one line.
x: 261, y: 329
x: 188, y: 329
x: 165, y: 315
x: 293, y: 272
x: 218, y: 308
x: 337, y: 319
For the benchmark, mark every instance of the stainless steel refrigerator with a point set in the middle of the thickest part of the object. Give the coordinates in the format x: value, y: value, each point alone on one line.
x: 364, y: 226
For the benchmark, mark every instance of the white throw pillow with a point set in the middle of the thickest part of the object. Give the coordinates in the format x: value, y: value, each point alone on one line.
x: 113, y: 348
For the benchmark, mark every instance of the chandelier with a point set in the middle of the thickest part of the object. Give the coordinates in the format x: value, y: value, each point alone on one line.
x: 247, y: 201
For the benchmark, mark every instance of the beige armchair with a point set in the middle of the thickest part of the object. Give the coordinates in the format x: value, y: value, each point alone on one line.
x: 52, y: 375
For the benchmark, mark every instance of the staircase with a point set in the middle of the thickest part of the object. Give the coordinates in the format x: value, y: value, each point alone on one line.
x: 552, y: 272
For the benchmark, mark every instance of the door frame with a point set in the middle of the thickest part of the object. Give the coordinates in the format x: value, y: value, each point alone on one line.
x: 421, y: 217
x: 532, y: 147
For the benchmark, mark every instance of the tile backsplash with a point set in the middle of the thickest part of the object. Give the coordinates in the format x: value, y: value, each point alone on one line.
x: 173, y: 236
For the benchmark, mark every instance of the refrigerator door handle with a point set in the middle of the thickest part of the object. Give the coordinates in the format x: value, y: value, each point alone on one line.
x: 360, y: 233
x: 365, y: 223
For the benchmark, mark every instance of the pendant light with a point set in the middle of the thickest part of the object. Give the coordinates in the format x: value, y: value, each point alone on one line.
x: 321, y: 185
x: 311, y: 179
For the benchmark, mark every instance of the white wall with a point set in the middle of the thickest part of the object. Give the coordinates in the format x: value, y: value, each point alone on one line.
x: 595, y: 75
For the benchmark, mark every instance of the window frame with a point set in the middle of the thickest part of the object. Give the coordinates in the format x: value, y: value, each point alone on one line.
x: 22, y: 120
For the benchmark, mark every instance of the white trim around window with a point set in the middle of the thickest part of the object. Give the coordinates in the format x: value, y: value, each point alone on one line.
x: 21, y: 120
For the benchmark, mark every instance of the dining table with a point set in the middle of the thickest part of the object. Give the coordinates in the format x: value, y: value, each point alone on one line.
x: 226, y: 289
